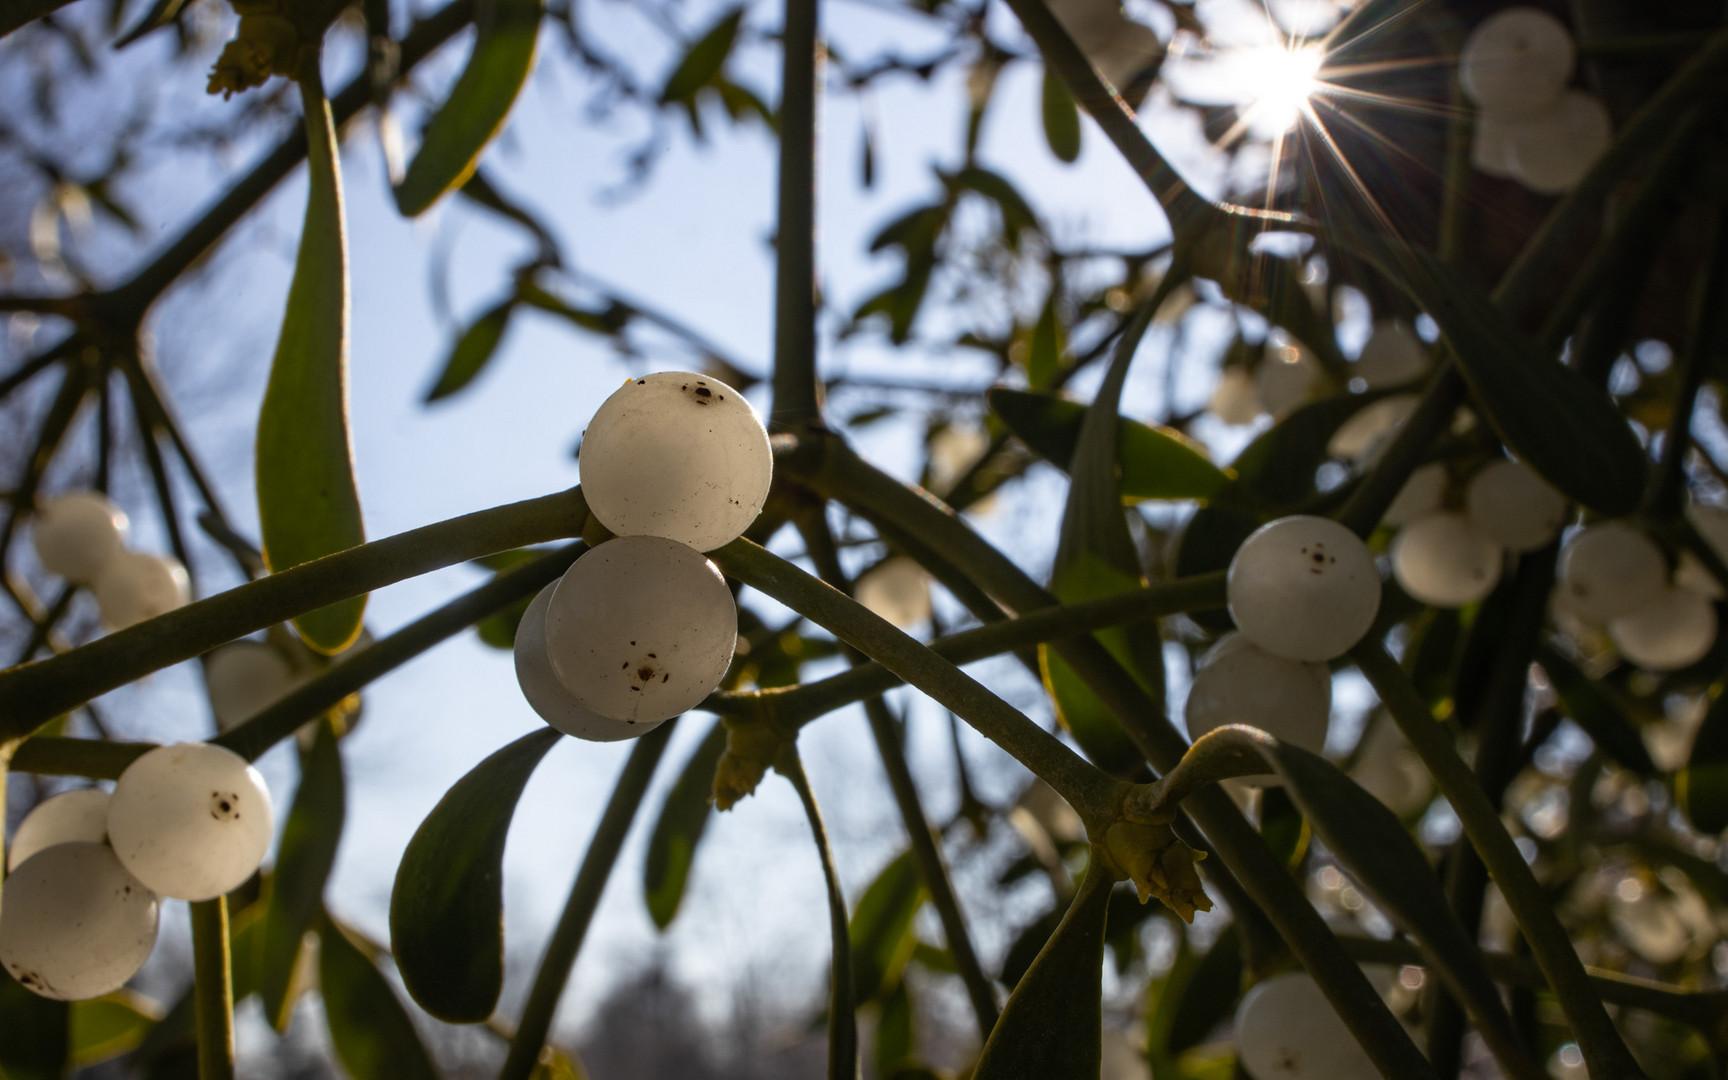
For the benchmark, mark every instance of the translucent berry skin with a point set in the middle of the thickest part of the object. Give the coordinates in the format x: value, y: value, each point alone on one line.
x: 897, y: 589
x: 1443, y: 559
x: 1610, y: 570
x: 1392, y: 355
x: 78, y: 534
x: 1239, y: 683
x: 244, y: 678
x: 1516, y: 61
x: 75, y: 924
x: 1304, y: 588
x: 1509, y: 502
x: 547, y: 696
x: 1674, y: 630
x: 1286, y: 1030
x: 677, y: 455
x: 80, y: 815
x: 136, y: 586
x: 641, y: 629
x: 191, y: 821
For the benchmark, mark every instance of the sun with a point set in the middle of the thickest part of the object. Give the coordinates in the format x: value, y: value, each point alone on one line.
x: 1281, y: 79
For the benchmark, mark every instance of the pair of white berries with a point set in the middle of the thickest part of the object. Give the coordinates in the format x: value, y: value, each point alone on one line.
x: 78, y: 912
x: 1531, y: 127
x: 1612, y: 574
x: 81, y: 536
x: 1450, y: 557
x: 643, y: 627
x: 1287, y: 376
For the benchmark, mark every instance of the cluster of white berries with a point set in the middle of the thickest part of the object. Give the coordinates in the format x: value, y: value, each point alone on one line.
x: 81, y: 536
x: 1531, y: 126
x: 643, y: 627
x: 1612, y: 574
x: 1449, y: 555
x: 1287, y: 375
x: 78, y: 910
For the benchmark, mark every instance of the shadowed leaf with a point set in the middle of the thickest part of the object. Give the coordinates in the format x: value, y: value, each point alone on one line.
x: 109, y: 1026
x: 373, y: 1036
x: 307, y: 853
x: 472, y: 351
x: 1593, y: 708
x: 35, y: 1036
x: 1061, y: 119
x: 882, y: 927
x: 1701, y: 788
x: 683, y: 818
x: 704, y: 60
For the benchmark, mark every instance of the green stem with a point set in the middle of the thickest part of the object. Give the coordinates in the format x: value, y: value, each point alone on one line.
x: 1706, y: 337
x: 57, y: 755
x: 35, y: 693
x: 566, y: 941
x: 1604, y: 1051
x: 842, y: 1021
x: 214, y: 989
x: 795, y: 392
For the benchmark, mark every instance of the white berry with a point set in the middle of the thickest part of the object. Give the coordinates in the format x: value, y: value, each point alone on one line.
x: 77, y: 534
x: 1516, y: 61
x: 244, y: 678
x: 1235, y: 401
x: 191, y: 821
x: 678, y: 455
x: 1239, y: 683
x: 1287, y: 1030
x: 1673, y: 630
x: 1509, y: 502
x: 136, y: 586
x: 897, y: 589
x: 81, y: 814
x: 547, y: 696
x: 75, y: 924
x: 1491, y: 145
x: 1362, y: 437
x: 641, y: 629
x: 1304, y: 588
x: 1420, y: 494
x: 1286, y: 377
x: 1551, y: 152
x: 1388, y: 769
x: 1610, y: 570
x: 1444, y: 560
x: 1392, y: 355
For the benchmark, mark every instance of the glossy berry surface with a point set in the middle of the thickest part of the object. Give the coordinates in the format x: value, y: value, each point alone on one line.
x: 71, y: 815
x: 244, y: 678
x: 1673, y: 630
x: 74, y: 924
x: 547, y: 696
x: 1443, y: 559
x: 136, y: 586
x: 1609, y: 570
x: 1304, y: 588
x: 78, y: 534
x: 1286, y: 1030
x: 1509, y: 502
x: 191, y: 821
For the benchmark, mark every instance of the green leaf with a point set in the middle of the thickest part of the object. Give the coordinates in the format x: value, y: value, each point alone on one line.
x: 1017, y: 961
x: 474, y: 113
x: 683, y: 818
x: 35, y: 1035
x: 1078, y: 709
x: 895, y: 1031
x: 373, y: 1036
x: 704, y: 59
x: 1016, y: 212
x: 1592, y: 706
x: 296, y: 895
x: 1282, y: 826
x: 1061, y: 118
x: 161, y: 13
x: 1051, y: 1027
x: 882, y: 927
x: 447, y: 910
x: 1156, y: 463
x: 1044, y: 353
x: 1189, y: 1008
x: 557, y: 1065
x: 1701, y: 788
x: 108, y: 1026
x: 308, y: 505
x: 472, y: 351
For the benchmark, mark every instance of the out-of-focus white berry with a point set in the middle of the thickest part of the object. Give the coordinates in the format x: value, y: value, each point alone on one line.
x: 1551, y: 152
x: 641, y: 628
x: 1388, y: 769
x: 244, y: 678
x: 1235, y: 401
x: 1516, y: 61
x: 1509, y: 502
x: 1239, y: 683
x: 547, y: 696
x: 1651, y: 926
x: 1304, y: 588
x: 77, y: 534
x: 897, y: 589
x: 1122, y: 1059
x: 71, y: 815
x: 1362, y: 437
x: 1444, y: 560
x: 1420, y: 494
x: 1391, y: 356
x: 1052, y: 813
x: 1609, y: 570
x: 191, y: 821
x: 1286, y: 1030
x: 1491, y: 145
x: 1285, y: 378
x: 75, y: 924
x: 954, y: 450
x: 136, y: 586
x: 1674, y: 629
x: 678, y: 455
x: 1712, y: 524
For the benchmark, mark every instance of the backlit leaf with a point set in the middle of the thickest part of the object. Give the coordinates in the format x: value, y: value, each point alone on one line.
x: 704, y: 59
x: 472, y: 351
x: 882, y: 927
x: 683, y: 818
x: 1061, y: 118
x: 109, y: 1026
x: 373, y: 1036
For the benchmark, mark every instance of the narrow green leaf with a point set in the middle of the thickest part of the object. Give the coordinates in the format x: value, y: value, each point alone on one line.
x: 895, y: 1031
x: 1017, y: 961
x: 373, y: 1036
x: 1061, y: 118
x: 1156, y: 463
x: 1701, y: 788
x: 1051, y: 1027
x: 447, y: 909
x: 296, y: 892
x: 472, y: 351
x: 1044, y: 352
x: 1188, y: 1011
x: 308, y: 505
x: 704, y: 59
x: 881, y: 934
x: 1282, y: 826
x: 683, y: 818
x: 1592, y: 707
x: 474, y: 113
x: 557, y: 1065
x: 1078, y: 709
x: 1016, y: 212
x: 108, y: 1026
x: 35, y: 1035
